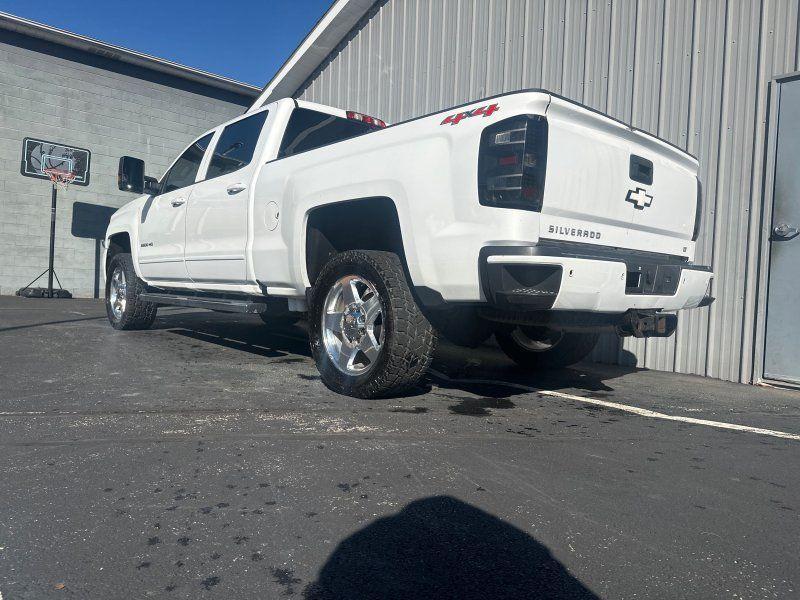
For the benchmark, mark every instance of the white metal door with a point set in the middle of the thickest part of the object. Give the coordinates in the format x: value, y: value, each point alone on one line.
x: 782, y: 347
x: 162, y: 227
x: 162, y: 235
x: 216, y: 227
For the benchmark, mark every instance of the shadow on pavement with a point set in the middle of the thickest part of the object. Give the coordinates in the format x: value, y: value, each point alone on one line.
x: 459, y: 365
x: 440, y: 547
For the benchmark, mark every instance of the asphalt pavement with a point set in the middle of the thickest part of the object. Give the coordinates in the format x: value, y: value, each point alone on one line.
x: 203, y: 458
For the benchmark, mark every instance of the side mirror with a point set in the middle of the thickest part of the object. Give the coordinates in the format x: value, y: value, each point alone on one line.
x: 130, y: 176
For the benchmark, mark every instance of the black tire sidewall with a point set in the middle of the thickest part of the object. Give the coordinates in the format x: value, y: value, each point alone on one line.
x: 341, y: 266
x: 131, y: 317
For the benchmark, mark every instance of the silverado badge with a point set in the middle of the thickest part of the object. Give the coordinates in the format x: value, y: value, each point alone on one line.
x: 640, y: 198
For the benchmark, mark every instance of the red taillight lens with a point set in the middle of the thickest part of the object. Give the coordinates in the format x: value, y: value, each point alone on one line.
x: 365, y: 119
x: 512, y: 163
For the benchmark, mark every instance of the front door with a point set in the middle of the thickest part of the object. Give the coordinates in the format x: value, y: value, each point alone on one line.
x: 216, y: 226
x: 782, y: 349
x: 162, y: 230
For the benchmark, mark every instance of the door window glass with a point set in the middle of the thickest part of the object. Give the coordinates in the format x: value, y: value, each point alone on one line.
x: 236, y: 145
x: 184, y: 171
x: 309, y: 129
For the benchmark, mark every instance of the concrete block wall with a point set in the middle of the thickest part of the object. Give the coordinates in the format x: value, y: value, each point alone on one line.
x: 76, y: 98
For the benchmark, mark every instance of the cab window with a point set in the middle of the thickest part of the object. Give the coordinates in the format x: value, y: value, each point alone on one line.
x: 309, y: 129
x: 184, y: 172
x: 236, y: 145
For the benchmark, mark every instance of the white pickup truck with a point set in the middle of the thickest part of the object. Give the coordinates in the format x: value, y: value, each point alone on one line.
x: 524, y: 215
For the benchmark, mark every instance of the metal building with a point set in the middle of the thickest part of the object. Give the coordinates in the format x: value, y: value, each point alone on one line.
x: 69, y: 89
x: 697, y: 73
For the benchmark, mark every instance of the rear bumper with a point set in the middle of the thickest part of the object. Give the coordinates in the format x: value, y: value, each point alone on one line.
x: 589, y: 278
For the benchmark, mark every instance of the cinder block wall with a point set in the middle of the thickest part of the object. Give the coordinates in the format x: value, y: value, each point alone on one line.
x: 111, y: 108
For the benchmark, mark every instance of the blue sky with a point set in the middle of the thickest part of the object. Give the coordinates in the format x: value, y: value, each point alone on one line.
x: 247, y: 41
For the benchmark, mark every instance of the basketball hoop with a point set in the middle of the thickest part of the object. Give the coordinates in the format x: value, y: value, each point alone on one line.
x: 60, y: 177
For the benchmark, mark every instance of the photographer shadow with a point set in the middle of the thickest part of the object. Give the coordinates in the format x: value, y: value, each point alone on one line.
x: 440, y: 547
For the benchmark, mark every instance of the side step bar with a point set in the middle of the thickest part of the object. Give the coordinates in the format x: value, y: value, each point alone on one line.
x: 218, y: 304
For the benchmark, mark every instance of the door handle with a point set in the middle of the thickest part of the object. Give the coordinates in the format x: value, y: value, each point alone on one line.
x: 784, y: 232
x: 178, y: 202
x: 235, y: 188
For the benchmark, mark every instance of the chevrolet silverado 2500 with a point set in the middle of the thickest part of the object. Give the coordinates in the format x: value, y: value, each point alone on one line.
x: 525, y: 216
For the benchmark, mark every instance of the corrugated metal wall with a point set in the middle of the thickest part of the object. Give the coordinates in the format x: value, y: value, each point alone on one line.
x: 695, y: 72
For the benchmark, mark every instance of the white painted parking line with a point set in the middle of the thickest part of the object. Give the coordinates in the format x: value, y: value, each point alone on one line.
x: 642, y: 412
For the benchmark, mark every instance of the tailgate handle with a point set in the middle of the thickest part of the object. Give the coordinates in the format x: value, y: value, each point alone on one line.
x: 641, y: 169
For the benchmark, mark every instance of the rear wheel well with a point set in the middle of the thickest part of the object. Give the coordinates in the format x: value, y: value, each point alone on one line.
x: 117, y: 243
x: 364, y: 224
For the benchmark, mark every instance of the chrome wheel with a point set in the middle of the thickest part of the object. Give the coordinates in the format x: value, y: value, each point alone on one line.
x: 117, y: 293
x: 352, y: 325
x: 536, y: 339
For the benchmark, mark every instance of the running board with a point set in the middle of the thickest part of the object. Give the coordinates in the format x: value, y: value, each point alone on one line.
x: 218, y: 304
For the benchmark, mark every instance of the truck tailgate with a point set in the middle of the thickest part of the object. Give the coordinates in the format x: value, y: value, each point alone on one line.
x: 612, y: 185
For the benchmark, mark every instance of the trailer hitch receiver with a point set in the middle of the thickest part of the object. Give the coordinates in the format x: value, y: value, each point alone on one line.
x: 643, y: 325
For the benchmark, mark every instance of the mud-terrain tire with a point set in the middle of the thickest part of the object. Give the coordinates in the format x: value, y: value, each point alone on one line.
x: 533, y: 348
x: 126, y: 312
x: 399, y: 342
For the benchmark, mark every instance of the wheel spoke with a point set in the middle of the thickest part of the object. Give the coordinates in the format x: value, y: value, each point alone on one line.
x: 370, y: 347
x: 350, y: 292
x: 372, y: 306
x: 346, y: 356
x: 333, y: 322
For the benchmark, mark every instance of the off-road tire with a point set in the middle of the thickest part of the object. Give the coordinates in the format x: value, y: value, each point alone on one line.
x: 409, y: 340
x: 137, y: 314
x: 572, y: 348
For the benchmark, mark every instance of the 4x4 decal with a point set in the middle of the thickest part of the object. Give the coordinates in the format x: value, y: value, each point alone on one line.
x: 486, y: 111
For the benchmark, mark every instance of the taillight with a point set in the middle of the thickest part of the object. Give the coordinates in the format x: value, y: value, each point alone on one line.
x: 512, y: 163
x: 365, y: 119
x: 698, y: 212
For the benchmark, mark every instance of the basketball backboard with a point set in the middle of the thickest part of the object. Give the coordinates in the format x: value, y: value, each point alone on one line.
x: 39, y: 155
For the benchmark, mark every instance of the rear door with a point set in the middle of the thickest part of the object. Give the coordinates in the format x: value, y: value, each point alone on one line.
x: 782, y: 346
x: 216, y: 226
x: 608, y: 184
x: 162, y: 228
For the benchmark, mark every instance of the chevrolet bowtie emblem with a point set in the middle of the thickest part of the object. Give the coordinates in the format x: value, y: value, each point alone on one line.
x: 640, y: 198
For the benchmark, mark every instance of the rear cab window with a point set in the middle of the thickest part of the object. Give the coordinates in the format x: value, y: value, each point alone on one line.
x: 236, y: 145
x: 309, y: 129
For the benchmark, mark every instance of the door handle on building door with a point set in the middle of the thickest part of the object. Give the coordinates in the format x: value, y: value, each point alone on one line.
x: 785, y: 232
x: 178, y: 202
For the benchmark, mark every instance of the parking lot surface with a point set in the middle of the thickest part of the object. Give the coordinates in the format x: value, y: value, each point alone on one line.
x: 204, y: 458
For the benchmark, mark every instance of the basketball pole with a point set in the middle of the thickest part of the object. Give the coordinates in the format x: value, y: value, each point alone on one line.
x: 51, y: 263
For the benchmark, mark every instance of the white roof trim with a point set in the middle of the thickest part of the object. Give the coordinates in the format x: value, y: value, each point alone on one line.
x: 80, y: 42
x: 331, y: 29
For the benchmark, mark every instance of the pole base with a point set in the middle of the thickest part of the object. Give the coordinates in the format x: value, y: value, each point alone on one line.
x: 39, y: 292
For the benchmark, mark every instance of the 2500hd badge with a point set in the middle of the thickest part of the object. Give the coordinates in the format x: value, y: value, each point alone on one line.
x: 574, y: 232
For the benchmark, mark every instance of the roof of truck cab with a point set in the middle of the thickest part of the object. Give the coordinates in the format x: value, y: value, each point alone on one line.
x: 324, y: 108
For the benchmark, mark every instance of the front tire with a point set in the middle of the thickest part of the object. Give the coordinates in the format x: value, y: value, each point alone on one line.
x: 124, y: 308
x: 368, y: 336
x: 537, y: 348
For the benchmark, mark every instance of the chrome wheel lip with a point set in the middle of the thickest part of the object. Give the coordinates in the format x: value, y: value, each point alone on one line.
x: 117, y: 293
x: 526, y: 342
x: 352, y: 325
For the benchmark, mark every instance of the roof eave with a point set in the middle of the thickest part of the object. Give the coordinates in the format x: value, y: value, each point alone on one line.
x: 329, y: 31
x: 66, y: 38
